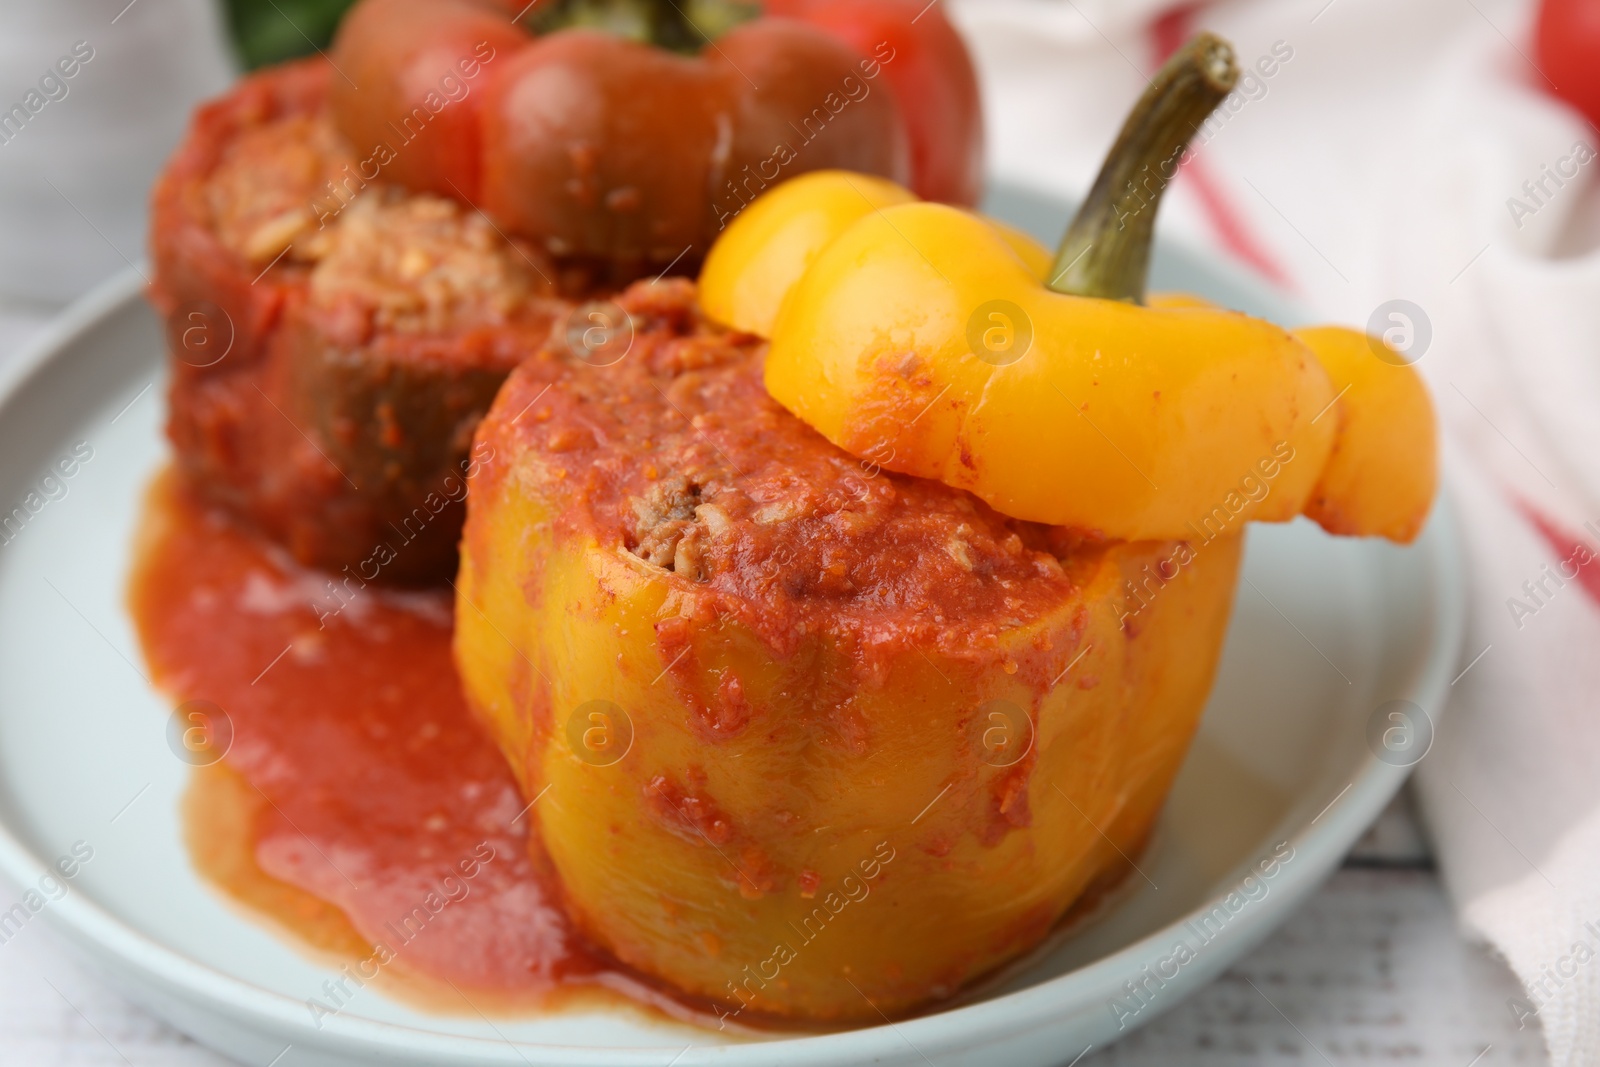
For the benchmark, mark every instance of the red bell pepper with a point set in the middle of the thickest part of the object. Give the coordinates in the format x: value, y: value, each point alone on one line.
x: 638, y: 151
x: 602, y: 146
x: 927, y: 65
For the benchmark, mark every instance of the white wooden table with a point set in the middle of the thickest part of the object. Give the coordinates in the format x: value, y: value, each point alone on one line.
x: 1372, y: 970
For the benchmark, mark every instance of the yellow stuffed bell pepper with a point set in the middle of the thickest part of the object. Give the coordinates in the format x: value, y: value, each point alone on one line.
x: 807, y: 738
x: 817, y: 740
x: 932, y: 341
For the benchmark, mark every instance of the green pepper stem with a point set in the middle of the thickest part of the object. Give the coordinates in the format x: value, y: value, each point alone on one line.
x: 677, y: 25
x: 1106, y: 250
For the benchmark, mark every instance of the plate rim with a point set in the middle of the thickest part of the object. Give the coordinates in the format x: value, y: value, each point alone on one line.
x: 114, y: 946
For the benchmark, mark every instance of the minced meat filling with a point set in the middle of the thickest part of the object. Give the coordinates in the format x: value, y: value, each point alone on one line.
x: 677, y: 455
x: 666, y: 531
x: 265, y: 188
x: 422, y: 264
x: 388, y: 259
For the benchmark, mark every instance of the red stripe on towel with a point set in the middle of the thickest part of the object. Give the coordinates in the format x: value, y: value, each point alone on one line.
x: 1576, y: 559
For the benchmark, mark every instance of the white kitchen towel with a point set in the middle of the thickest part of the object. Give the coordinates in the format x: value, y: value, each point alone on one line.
x: 1384, y: 152
x: 94, y: 94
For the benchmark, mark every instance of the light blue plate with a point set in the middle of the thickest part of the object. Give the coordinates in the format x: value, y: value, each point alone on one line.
x: 1325, y: 634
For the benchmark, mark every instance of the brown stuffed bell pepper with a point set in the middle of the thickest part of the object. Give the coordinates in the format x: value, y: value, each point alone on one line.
x: 352, y: 253
x: 330, y: 358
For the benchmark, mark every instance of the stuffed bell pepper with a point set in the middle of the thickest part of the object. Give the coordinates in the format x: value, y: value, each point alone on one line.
x: 854, y: 625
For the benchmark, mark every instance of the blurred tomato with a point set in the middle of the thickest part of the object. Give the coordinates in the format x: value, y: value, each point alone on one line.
x: 1567, y: 47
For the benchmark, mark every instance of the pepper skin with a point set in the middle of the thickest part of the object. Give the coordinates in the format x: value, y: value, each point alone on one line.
x: 848, y: 756
x: 1379, y: 465
x: 619, y: 150
x: 933, y: 78
x: 1384, y: 471
x: 410, y: 78
x: 761, y: 255
x: 1117, y: 420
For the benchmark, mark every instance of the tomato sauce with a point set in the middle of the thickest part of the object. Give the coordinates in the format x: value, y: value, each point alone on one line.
x: 343, y: 790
